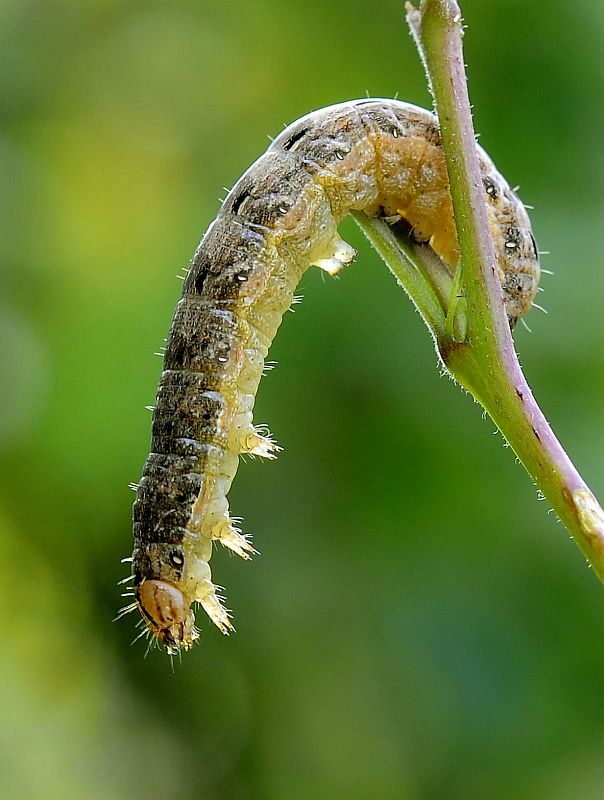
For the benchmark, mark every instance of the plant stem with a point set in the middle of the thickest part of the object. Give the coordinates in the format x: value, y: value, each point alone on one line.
x: 414, y: 276
x: 485, y: 362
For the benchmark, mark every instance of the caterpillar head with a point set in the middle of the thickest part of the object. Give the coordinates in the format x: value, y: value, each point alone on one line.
x: 161, y: 596
x: 167, y: 614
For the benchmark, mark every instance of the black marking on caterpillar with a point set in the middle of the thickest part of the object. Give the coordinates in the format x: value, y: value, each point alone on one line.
x: 290, y: 143
x: 383, y: 157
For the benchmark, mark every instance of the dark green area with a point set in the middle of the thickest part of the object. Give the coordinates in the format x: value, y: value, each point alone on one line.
x: 417, y: 627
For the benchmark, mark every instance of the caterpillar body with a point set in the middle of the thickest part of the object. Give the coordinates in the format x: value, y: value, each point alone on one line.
x: 382, y: 157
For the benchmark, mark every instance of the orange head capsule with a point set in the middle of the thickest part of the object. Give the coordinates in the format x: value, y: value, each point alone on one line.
x: 168, y: 614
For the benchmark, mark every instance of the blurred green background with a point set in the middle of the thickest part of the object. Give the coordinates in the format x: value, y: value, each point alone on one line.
x: 417, y: 627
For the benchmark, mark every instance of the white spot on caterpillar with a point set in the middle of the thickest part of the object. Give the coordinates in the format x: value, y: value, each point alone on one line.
x: 337, y: 254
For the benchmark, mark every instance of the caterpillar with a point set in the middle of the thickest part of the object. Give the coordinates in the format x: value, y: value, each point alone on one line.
x: 382, y: 157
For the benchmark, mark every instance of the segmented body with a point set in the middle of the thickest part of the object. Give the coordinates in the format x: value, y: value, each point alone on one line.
x: 381, y: 157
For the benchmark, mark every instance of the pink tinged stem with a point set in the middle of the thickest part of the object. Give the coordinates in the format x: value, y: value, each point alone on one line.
x: 486, y: 363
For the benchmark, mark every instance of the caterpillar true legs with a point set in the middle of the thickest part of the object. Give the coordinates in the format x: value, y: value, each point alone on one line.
x: 382, y: 157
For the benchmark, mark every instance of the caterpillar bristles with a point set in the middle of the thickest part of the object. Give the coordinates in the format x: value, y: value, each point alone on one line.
x: 379, y: 157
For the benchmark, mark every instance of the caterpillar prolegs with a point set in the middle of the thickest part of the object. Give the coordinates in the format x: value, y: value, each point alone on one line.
x: 382, y: 157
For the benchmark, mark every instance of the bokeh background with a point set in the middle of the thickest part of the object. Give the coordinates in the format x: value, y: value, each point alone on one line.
x: 418, y: 626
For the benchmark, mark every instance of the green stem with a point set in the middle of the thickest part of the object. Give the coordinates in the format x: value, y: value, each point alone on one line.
x: 482, y: 356
x: 424, y: 281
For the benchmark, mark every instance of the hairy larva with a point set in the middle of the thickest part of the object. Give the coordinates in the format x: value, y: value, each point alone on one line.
x: 382, y: 157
